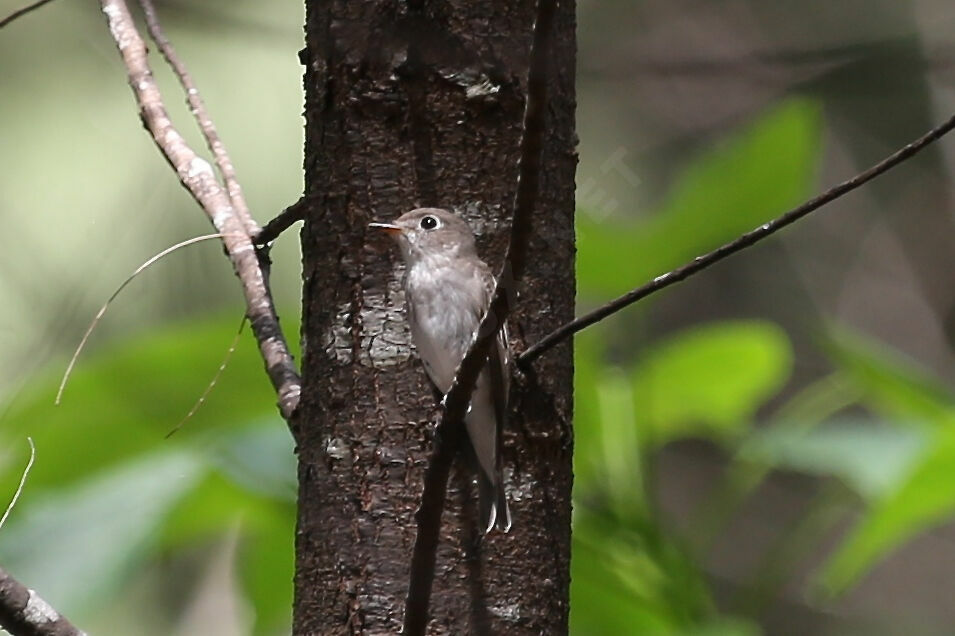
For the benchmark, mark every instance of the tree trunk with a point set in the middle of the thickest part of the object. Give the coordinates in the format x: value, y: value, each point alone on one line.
x: 412, y: 104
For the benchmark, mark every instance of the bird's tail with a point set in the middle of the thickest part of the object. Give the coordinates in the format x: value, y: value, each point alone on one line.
x: 492, y: 502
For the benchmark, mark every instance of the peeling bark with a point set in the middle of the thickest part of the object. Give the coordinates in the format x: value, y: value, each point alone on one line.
x: 411, y: 104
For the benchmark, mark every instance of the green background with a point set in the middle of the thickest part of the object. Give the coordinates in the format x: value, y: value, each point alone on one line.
x: 818, y: 365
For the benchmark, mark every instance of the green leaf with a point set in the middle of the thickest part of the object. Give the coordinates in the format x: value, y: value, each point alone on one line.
x: 631, y: 578
x: 260, y: 459
x: 118, y: 408
x: 619, y: 585
x: 766, y: 169
x: 588, y: 349
x: 710, y: 380
x: 891, y: 384
x: 601, y: 606
x: 925, y: 499
x: 267, y: 567
x: 720, y: 626
x: 872, y: 460
x: 621, y: 455
x: 210, y: 509
x: 76, y: 544
x: 264, y: 509
x: 122, y: 402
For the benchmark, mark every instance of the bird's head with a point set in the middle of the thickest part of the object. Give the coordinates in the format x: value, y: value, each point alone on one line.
x: 430, y: 233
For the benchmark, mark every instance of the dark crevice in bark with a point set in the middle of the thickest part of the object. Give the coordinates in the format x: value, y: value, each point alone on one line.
x: 419, y: 129
x: 415, y: 74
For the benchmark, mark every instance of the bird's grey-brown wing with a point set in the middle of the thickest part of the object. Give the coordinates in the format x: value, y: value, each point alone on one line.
x: 499, y: 380
x: 499, y: 356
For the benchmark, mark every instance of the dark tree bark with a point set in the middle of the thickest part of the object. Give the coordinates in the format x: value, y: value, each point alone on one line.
x: 419, y: 104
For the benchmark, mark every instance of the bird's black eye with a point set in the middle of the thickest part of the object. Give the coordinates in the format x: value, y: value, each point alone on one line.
x: 429, y: 223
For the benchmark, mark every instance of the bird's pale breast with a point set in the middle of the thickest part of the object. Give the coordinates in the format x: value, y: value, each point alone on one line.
x: 444, y: 310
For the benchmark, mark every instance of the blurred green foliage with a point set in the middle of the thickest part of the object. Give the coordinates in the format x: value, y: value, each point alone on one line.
x: 631, y: 573
x: 752, y: 177
x: 132, y: 502
x: 115, y: 505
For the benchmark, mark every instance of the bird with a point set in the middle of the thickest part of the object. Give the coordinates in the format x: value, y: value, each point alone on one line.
x: 448, y: 289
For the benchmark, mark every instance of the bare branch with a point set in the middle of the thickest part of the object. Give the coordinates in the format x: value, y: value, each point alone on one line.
x: 282, y: 222
x: 199, y: 179
x: 449, y: 432
x: 198, y: 108
x: 102, y: 310
x: 22, y: 12
x: 23, y: 481
x: 24, y: 613
x: 754, y: 236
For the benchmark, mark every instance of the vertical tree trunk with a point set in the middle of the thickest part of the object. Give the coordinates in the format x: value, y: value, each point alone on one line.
x: 416, y: 103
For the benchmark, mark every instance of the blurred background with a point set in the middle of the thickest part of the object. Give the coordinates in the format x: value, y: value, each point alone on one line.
x: 768, y: 448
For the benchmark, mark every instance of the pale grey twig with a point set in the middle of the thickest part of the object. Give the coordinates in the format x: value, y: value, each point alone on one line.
x: 199, y: 179
x: 198, y: 108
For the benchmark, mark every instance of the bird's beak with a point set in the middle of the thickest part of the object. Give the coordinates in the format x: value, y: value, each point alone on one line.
x: 390, y: 228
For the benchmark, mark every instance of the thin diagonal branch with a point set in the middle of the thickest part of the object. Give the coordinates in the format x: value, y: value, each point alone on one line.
x: 199, y: 179
x: 449, y: 433
x: 198, y: 108
x: 24, y: 613
x: 23, y: 481
x: 215, y: 380
x: 105, y: 307
x: 22, y: 11
x: 754, y: 236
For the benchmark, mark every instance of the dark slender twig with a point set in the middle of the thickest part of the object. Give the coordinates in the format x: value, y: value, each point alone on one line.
x: 22, y: 12
x: 199, y: 179
x: 24, y: 613
x: 449, y: 432
x: 285, y: 219
x: 215, y: 379
x: 754, y: 236
x: 198, y: 108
